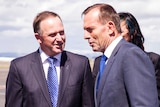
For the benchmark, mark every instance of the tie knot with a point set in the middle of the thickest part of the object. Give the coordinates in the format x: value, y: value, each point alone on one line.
x: 104, y: 58
x: 51, y: 60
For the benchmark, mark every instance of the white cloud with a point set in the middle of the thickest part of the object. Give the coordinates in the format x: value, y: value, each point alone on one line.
x: 17, y: 17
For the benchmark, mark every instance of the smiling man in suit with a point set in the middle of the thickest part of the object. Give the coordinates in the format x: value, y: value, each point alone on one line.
x: 127, y: 78
x: 28, y: 79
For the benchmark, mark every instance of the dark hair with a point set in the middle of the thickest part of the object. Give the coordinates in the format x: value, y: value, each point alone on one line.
x: 133, y: 28
x: 40, y: 17
x: 107, y: 13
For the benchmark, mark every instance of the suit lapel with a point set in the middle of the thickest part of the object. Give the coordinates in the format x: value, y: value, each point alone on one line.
x: 64, y: 76
x: 37, y: 69
x: 96, y: 72
x: 103, y: 79
x: 107, y: 71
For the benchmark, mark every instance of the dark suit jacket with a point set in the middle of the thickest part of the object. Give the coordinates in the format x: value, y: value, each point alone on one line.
x: 26, y: 84
x: 128, y: 79
x: 96, y: 67
x: 155, y: 58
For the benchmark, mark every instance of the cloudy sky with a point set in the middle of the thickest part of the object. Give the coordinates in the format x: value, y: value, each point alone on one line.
x: 16, y: 17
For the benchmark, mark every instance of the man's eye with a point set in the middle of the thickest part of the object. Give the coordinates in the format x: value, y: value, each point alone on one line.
x: 89, y: 30
x: 53, y: 34
x: 61, y: 32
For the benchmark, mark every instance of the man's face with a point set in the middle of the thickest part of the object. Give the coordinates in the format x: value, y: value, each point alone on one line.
x: 94, y: 31
x: 125, y: 31
x: 52, y: 36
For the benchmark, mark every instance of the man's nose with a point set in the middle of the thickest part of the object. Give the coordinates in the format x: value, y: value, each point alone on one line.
x: 58, y: 37
x: 86, y: 35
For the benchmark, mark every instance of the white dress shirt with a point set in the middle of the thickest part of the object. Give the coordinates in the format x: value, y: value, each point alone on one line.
x: 111, y: 47
x: 46, y: 63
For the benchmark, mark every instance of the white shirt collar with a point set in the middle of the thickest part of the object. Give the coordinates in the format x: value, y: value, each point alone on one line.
x: 111, y: 47
x: 44, y: 56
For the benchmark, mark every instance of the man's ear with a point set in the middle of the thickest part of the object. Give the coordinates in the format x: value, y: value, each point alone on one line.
x: 38, y: 37
x: 111, y: 27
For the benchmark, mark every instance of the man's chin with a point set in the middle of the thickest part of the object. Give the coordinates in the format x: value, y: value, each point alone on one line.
x: 94, y: 49
x: 59, y: 50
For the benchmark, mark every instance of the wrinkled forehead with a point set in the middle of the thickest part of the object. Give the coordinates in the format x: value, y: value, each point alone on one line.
x: 91, y: 17
x: 51, y: 21
x: 51, y: 24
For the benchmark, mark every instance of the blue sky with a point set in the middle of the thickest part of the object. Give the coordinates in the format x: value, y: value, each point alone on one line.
x: 16, y: 17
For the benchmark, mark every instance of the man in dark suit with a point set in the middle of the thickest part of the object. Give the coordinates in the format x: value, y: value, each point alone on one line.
x: 128, y: 78
x: 27, y: 84
x: 155, y: 58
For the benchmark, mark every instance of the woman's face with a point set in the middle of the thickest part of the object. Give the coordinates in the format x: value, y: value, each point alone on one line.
x: 125, y: 31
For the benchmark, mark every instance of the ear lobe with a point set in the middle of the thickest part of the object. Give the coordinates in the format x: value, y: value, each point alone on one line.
x: 37, y: 36
x: 110, y: 31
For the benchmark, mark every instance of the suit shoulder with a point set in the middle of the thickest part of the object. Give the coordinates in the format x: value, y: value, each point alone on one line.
x: 126, y: 49
x: 130, y: 47
x: 24, y: 58
x: 75, y: 55
x: 154, y: 57
x: 153, y: 54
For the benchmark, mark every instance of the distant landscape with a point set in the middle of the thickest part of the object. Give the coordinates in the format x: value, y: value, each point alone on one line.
x: 15, y: 55
x: 4, y: 65
x: 11, y: 54
x: 5, y: 58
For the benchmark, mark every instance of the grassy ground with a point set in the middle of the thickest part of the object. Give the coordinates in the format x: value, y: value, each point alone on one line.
x: 4, y: 66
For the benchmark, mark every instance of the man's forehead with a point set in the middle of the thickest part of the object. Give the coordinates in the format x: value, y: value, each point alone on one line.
x: 94, y: 12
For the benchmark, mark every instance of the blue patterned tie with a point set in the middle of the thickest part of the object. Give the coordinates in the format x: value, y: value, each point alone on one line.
x: 52, y: 80
x: 101, y: 69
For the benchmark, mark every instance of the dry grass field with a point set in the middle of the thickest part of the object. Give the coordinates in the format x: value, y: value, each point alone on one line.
x: 4, y: 66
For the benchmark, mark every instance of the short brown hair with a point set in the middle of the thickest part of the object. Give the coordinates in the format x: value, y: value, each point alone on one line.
x: 41, y: 16
x: 107, y: 12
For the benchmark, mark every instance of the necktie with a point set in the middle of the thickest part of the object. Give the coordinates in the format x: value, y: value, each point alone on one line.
x: 52, y: 81
x: 101, y: 69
